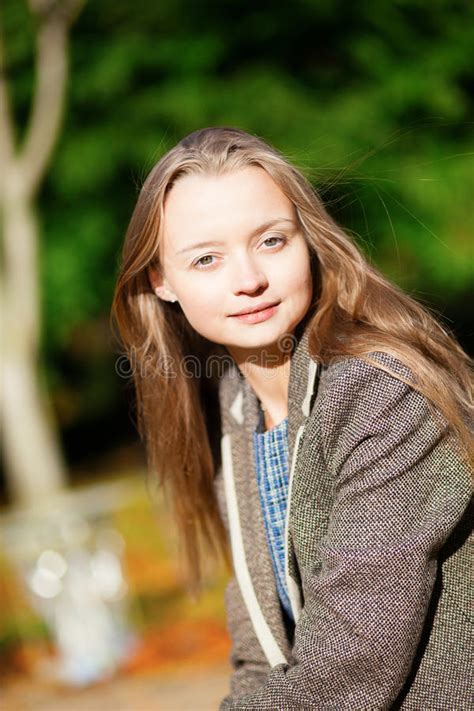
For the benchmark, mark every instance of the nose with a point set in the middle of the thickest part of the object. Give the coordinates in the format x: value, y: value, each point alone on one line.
x: 248, y: 276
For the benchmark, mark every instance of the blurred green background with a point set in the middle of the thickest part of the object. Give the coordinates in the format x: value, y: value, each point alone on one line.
x: 374, y: 100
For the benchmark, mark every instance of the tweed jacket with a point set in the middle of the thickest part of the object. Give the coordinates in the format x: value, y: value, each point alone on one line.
x: 377, y: 547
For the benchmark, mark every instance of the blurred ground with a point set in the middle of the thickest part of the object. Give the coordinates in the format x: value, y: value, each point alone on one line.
x: 189, y: 689
x: 179, y: 647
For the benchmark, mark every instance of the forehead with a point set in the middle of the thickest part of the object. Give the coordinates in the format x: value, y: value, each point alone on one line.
x: 222, y: 206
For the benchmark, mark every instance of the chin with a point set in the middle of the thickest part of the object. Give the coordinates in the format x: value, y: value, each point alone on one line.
x: 260, y: 337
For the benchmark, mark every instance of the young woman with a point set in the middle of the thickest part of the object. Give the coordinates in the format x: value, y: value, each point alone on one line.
x: 303, y: 409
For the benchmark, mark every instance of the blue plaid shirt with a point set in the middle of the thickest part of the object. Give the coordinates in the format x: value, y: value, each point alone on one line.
x: 271, y: 464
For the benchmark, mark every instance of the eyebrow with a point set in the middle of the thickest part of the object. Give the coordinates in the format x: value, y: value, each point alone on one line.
x: 216, y: 243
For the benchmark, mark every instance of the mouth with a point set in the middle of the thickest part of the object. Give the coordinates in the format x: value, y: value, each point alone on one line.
x: 256, y: 314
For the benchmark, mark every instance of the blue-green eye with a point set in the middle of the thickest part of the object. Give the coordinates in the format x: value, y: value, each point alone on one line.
x: 199, y: 262
x: 279, y: 239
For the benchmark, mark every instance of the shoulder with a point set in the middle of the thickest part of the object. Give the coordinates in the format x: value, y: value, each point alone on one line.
x: 377, y: 368
x: 366, y: 384
x: 374, y: 397
x: 377, y: 433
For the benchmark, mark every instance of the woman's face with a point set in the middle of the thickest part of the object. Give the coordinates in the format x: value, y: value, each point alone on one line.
x: 232, y: 244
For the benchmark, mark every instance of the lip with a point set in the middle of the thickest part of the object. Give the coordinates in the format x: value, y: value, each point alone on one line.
x: 259, y: 314
x: 254, y: 309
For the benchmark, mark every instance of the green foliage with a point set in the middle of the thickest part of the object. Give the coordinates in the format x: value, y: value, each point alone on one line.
x: 373, y: 100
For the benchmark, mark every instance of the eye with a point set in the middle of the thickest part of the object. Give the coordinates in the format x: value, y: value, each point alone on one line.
x: 201, y: 262
x: 277, y: 239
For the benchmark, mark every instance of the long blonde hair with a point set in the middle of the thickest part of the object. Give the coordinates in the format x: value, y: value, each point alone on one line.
x: 356, y: 311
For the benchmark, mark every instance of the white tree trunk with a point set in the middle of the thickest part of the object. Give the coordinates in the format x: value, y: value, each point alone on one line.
x: 35, y: 467
x: 34, y: 464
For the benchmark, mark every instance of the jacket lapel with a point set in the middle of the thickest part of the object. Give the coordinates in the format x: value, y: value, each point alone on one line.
x: 302, y: 387
x: 251, y: 518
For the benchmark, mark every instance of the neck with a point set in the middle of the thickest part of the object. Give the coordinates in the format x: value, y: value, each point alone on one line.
x: 268, y: 374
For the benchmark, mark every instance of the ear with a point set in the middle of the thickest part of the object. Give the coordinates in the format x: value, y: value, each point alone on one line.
x: 160, y: 285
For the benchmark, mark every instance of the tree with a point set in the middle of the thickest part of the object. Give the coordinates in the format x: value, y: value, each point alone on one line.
x: 34, y: 462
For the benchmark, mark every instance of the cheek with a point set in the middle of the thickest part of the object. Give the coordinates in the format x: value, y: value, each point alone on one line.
x: 200, y: 300
x: 298, y: 278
